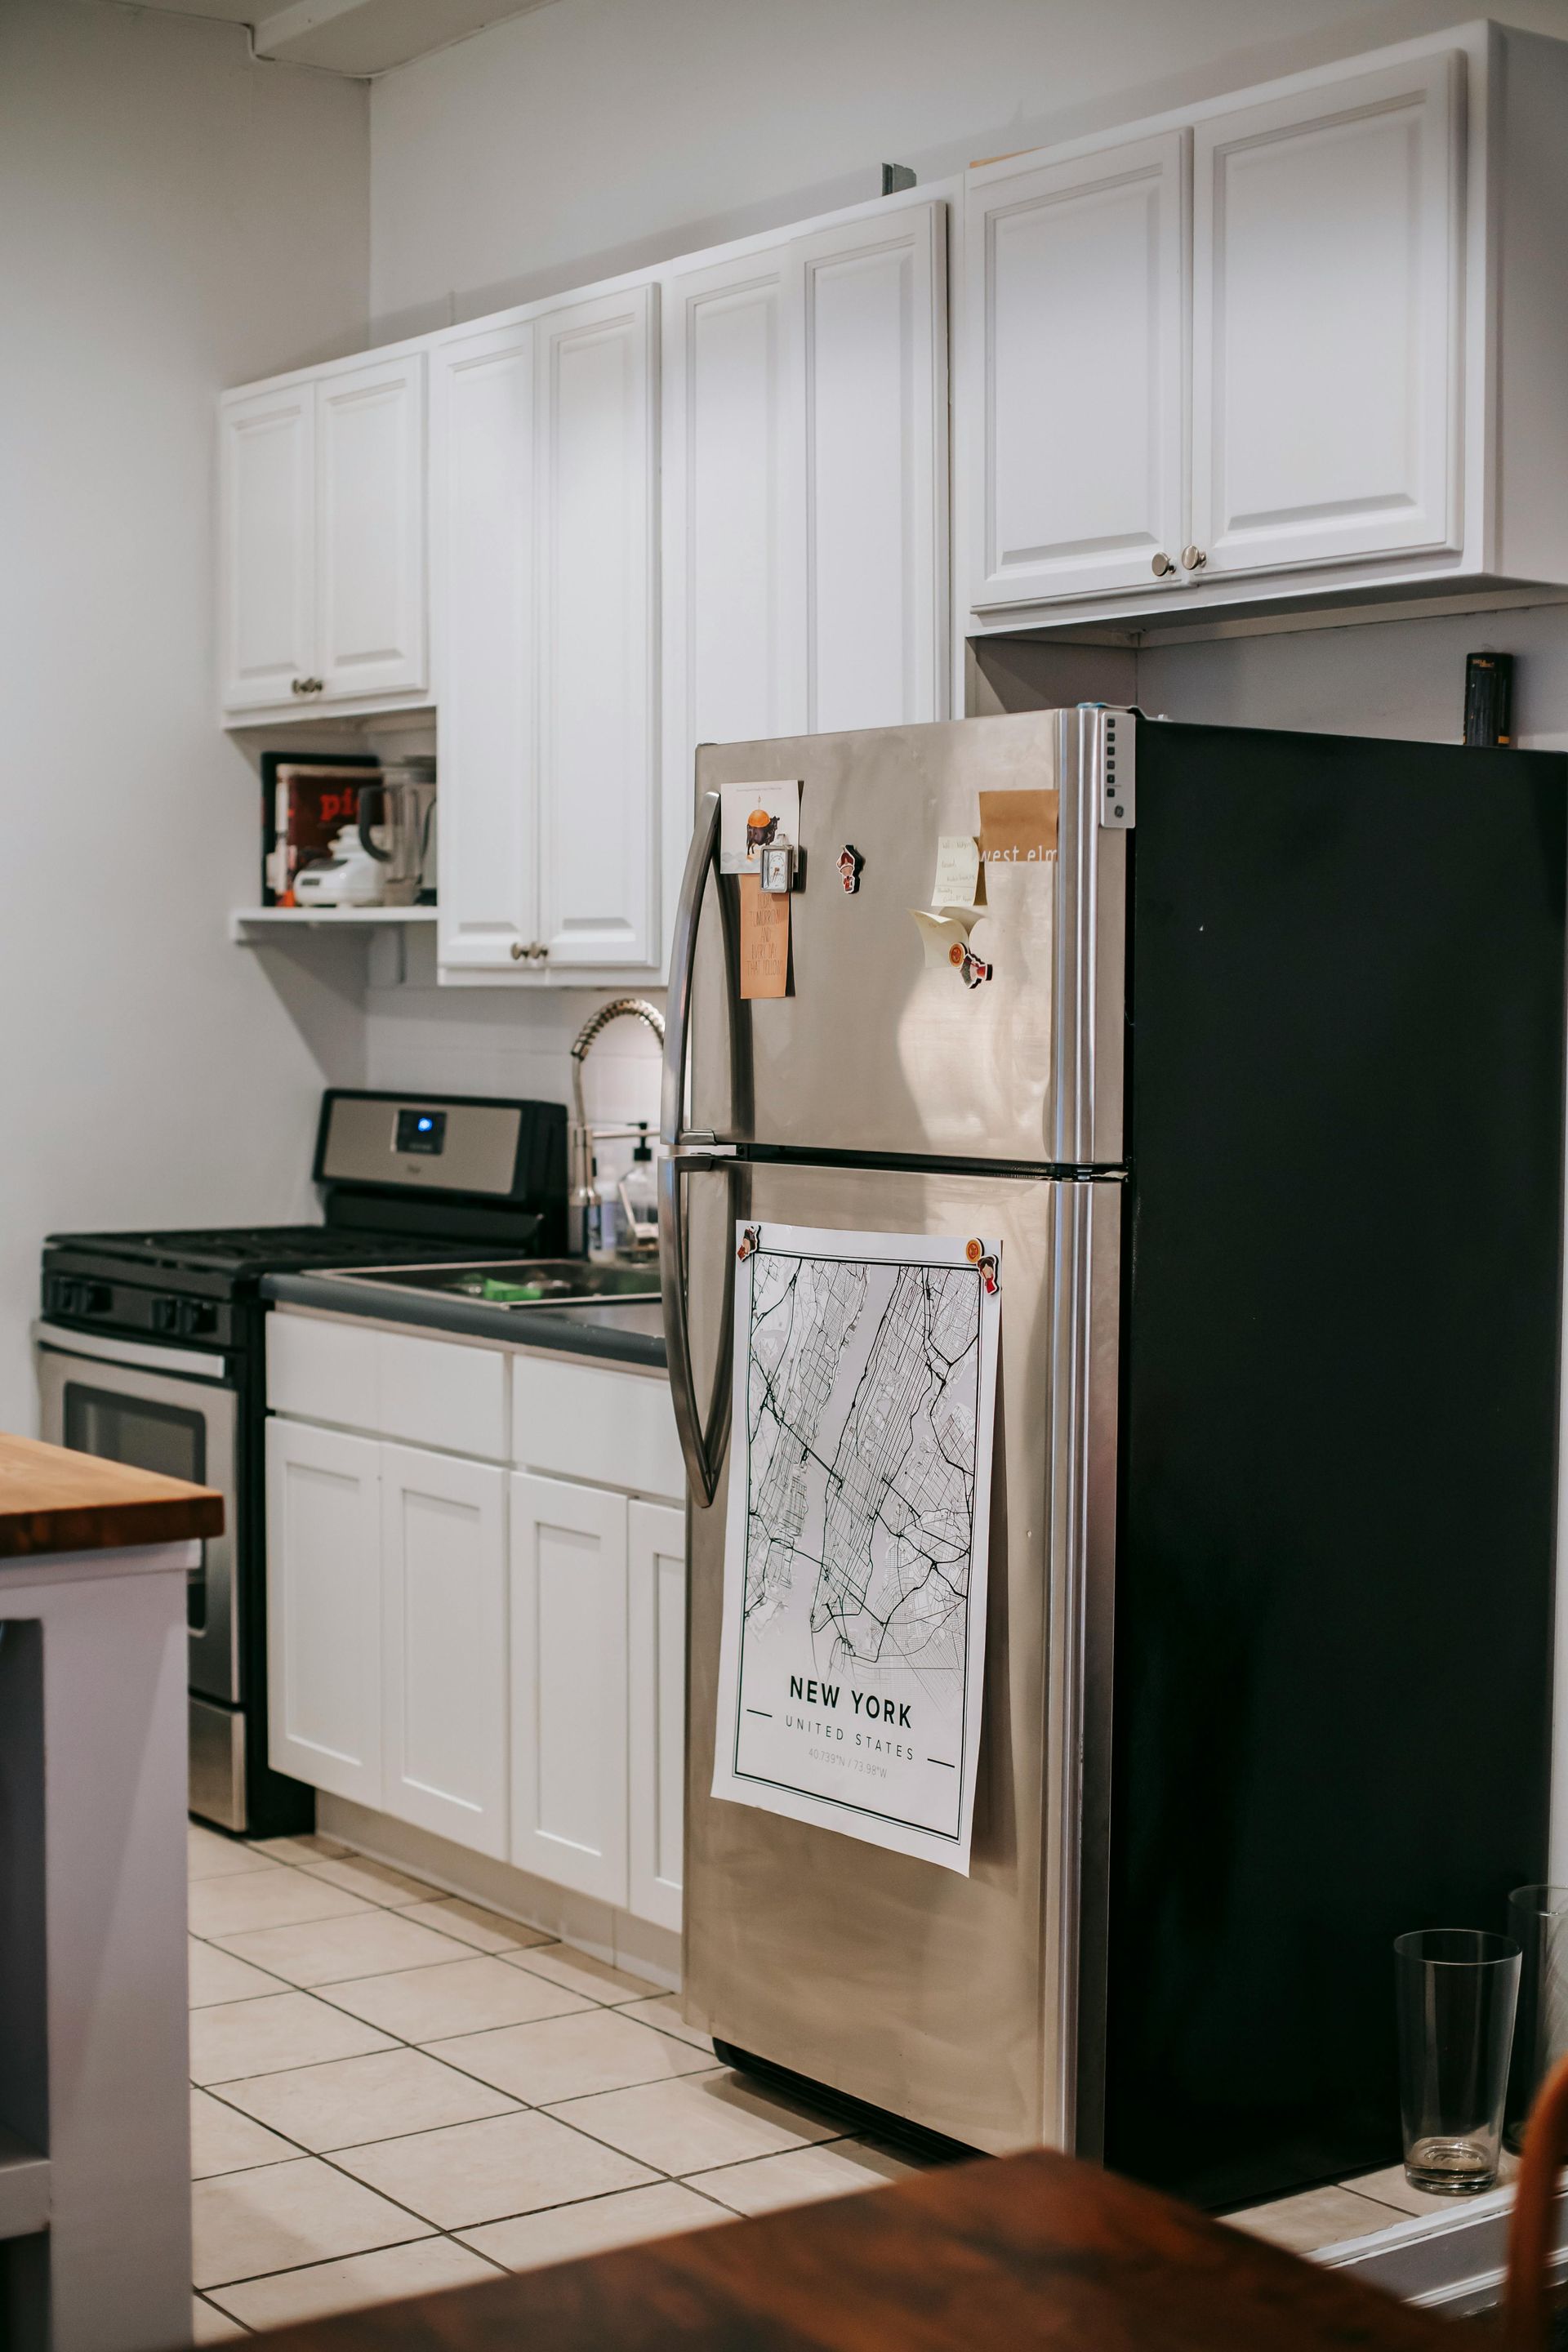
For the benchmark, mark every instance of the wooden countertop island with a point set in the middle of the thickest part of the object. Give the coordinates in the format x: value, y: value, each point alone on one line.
x: 1028, y: 2254
x: 54, y: 1500
x: 95, y: 2230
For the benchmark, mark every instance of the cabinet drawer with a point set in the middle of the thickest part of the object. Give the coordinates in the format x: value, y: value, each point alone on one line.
x: 614, y: 1428
x: 426, y: 1391
x: 322, y: 1371
x: 432, y: 1392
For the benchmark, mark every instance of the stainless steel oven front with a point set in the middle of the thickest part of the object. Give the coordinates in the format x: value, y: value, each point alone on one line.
x: 171, y: 1410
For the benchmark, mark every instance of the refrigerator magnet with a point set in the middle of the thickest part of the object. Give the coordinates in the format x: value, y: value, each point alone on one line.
x: 945, y: 934
x: 755, y: 818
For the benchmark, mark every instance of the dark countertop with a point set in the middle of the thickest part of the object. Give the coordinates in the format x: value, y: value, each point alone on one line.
x: 1035, y: 2253
x: 52, y: 1500
x: 621, y: 1334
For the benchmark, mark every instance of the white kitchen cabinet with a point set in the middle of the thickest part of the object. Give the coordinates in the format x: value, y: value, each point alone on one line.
x: 1326, y: 322
x: 1297, y: 340
x: 1078, y: 371
x: 495, y: 1655
x: 324, y: 1608
x: 268, y: 586
x: 875, y: 351
x: 370, y: 509
x: 323, y: 561
x: 481, y: 509
x: 805, y: 489
x: 734, y: 510
x: 569, y: 1804
x: 444, y: 1616
x: 543, y: 489
x: 656, y: 1651
x: 598, y: 796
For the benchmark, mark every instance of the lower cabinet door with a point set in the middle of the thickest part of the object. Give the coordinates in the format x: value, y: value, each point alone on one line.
x: 569, y: 1685
x: 656, y: 1617
x: 323, y: 1608
x: 444, y: 1599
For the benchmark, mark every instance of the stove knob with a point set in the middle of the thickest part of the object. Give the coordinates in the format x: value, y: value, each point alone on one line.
x: 97, y: 1298
x: 165, y: 1314
x: 197, y: 1319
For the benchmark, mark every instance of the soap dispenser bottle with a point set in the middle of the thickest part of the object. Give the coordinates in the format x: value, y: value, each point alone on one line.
x: 639, y: 1197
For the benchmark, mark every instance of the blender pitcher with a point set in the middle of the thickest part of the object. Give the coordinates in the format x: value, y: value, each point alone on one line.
x: 397, y: 826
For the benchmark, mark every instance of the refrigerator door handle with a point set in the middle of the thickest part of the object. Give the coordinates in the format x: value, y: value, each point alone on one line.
x: 700, y: 857
x: 701, y: 1440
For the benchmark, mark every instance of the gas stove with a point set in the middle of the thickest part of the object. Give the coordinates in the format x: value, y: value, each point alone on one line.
x: 185, y: 1285
x: 152, y: 1349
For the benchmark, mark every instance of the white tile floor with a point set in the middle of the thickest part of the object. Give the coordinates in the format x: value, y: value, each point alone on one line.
x: 1316, y: 2218
x: 395, y: 2091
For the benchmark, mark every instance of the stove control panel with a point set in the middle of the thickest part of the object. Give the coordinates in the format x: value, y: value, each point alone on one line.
x: 130, y: 1308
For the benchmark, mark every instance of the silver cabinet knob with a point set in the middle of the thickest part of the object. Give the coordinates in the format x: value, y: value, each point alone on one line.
x: 305, y: 686
x: 1160, y: 564
x: 539, y: 953
x: 519, y: 951
x: 1194, y: 558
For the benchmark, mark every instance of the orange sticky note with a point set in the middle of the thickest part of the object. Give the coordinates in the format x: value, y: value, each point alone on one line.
x: 764, y: 938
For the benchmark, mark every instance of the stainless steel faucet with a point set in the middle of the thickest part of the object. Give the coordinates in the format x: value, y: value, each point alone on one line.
x: 582, y: 1196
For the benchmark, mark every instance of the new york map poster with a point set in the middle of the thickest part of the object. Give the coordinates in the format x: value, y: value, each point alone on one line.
x: 855, y: 1547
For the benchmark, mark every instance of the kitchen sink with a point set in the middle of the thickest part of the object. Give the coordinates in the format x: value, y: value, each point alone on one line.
x: 520, y: 1282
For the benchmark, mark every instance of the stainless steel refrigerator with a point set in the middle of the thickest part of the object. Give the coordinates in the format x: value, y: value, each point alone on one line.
x: 1263, y: 1095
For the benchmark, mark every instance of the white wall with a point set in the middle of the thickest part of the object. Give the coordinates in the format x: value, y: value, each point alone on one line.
x: 596, y: 135
x: 175, y: 219
x: 496, y: 1041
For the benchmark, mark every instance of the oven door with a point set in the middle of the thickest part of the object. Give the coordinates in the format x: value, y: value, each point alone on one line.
x: 165, y: 1409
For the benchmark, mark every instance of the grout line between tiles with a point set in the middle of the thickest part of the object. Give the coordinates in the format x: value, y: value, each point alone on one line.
x: 427, y: 2231
x: 326, y: 2261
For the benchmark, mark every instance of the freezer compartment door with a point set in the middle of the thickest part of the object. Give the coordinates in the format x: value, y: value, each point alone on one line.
x: 970, y: 2005
x: 881, y: 1043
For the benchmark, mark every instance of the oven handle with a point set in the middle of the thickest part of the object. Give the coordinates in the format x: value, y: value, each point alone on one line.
x: 102, y: 1347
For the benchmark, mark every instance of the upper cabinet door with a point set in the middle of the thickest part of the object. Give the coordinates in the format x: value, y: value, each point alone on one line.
x: 1326, y: 321
x: 482, y: 507
x: 874, y: 353
x: 370, y: 468
x: 1075, y: 375
x: 734, y: 509
x: 269, y: 586
x: 593, y: 420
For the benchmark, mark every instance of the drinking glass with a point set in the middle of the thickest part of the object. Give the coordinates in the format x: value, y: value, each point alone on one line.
x: 1538, y: 1922
x: 1457, y: 1988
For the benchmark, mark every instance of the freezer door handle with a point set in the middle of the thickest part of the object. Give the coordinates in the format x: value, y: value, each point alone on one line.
x: 701, y: 1439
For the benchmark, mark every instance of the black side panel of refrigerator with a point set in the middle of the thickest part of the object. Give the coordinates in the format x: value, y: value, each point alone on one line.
x: 1333, y: 1617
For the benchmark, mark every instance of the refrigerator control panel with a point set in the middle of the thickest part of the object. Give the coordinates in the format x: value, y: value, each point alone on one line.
x: 1118, y: 771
